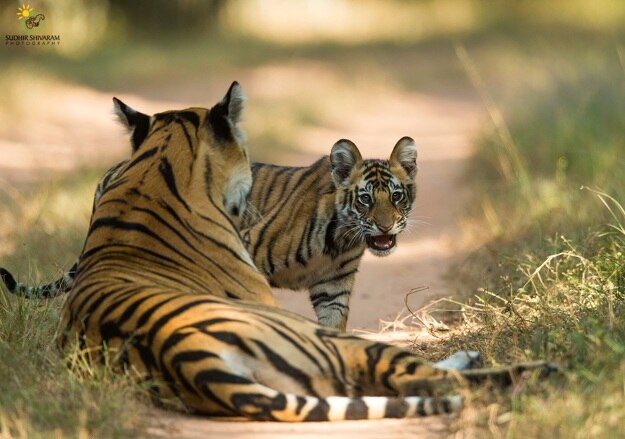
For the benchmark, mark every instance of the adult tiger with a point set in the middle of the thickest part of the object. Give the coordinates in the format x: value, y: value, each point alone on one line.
x: 159, y: 259
x: 308, y: 227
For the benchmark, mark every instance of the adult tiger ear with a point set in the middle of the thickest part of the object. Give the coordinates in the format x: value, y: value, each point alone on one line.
x: 137, y: 123
x: 344, y: 157
x: 226, y: 115
x: 405, y: 155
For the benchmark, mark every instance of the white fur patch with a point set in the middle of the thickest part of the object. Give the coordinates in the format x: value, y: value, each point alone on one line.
x: 338, y: 406
x: 459, y: 361
x: 237, y: 189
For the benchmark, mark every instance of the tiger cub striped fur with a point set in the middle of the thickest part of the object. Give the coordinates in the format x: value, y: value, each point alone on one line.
x: 308, y: 227
x: 151, y: 289
x: 314, y: 223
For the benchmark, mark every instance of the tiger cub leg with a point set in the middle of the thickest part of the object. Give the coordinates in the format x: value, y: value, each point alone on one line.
x: 331, y: 301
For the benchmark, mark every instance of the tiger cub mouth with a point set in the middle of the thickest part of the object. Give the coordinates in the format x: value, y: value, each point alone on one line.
x: 381, y: 245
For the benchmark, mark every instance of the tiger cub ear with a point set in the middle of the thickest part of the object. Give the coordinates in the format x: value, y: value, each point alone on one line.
x: 344, y: 158
x: 226, y: 115
x: 405, y: 155
x: 137, y: 123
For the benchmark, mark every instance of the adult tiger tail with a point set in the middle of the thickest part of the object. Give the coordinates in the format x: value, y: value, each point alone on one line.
x: 64, y: 283
x: 152, y: 291
x: 307, y: 227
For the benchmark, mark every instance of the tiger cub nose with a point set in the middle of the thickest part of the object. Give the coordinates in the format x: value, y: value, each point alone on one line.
x: 384, y: 228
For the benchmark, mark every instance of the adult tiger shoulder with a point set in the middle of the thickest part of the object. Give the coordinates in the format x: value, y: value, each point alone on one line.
x: 308, y: 227
x: 166, y: 225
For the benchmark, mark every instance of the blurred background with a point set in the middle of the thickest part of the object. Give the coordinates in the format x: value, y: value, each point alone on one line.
x: 514, y: 105
x: 512, y: 102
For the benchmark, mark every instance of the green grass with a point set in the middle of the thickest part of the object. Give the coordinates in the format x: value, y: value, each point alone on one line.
x: 551, y: 273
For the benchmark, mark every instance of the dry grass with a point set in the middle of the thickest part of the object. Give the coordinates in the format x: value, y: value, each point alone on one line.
x: 41, y: 396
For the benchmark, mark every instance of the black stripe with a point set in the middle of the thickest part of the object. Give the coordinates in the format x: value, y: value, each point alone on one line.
x: 311, y: 234
x: 396, y: 408
x: 350, y: 260
x: 286, y: 201
x: 330, y: 239
x: 386, y: 375
x: 175, y: 230
x: 374, y: 354
x: 298, y: 346
x: 356, y: 409
x: 263, y: 404
x: 321, y: 297
x: 421, y: 407
x: 339, y: 276
x: 168, y: 174
x: 130, y: 308
x: 203, y: 383
x: 191, y: 117
x: 191, y: 356
x: 187, y: 356
x: 141, y: 157
x: 158, y: 325
x: 218, y: 376
x: 337, y: 306
x: 301, y: 402
x: 114, y: 223
x: 271, y: 266
x: 188, y: 138
x: 283, y: 366
x: 320, y: 412
x: 118, y: 182
x: 445, y: 406
x: 327, y: 338
x: 232, y: 339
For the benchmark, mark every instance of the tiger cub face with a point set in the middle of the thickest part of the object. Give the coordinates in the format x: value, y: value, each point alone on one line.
x: 375, y: 196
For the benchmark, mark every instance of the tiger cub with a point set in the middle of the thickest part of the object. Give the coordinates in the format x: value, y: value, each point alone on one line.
x: 313, y: 224
x: 151, y: 289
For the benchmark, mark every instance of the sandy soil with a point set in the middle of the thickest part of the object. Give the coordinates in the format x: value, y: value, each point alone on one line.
x: 442, y: 128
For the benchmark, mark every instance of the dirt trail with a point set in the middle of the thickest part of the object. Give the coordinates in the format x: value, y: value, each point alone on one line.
x: 442, y: 128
